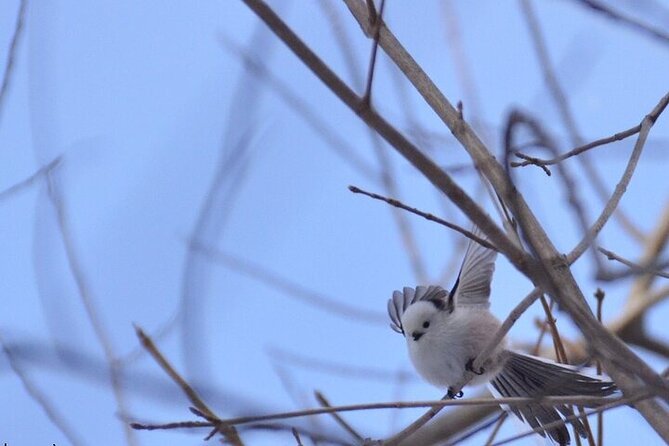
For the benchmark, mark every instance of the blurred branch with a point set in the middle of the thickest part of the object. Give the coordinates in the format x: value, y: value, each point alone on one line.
x: 625, y: 20
x: 336, y: 368
x: 635, y: 268
x: 566, y: 114
x: 293, y: 289
x: 493, y: 402
x: 102, y: 335
x: 24, y: 184
x: 347, y: 427
x: 387, y: 174
x: 11, y: 54
x: 311, y: 117
x: 611, y: 205
x: 228, y: 432
x: 39, y: 397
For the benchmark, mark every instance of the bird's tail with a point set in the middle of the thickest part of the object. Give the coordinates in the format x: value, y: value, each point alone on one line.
x: 529, y: 376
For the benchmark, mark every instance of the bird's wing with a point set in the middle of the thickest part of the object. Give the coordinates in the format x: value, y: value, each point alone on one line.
x: 401, y: 300
x: 472, y: 286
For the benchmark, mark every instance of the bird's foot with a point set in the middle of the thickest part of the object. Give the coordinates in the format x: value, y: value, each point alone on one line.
x: 452, y: 395
x: 470, y: 367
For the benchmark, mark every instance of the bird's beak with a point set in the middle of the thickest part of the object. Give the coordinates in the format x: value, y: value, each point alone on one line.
x: 416, y: 335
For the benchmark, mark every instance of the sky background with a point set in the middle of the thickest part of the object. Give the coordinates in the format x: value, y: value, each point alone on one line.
x: 162, y: 133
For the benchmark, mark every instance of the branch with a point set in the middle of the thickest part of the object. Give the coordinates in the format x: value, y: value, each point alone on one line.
x: 11, y: 54
x: 529, y: 160
x: 425, y: 215
x: 635, y: 268
x: 628, y: 21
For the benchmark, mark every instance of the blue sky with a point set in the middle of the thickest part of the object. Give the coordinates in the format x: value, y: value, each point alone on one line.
x: 146, y: 103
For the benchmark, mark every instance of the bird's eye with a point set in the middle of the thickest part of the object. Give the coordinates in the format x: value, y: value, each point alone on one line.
x: 426, y: 324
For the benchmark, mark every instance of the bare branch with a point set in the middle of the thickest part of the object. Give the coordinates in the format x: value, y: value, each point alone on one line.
x: 425, y: 215
x: 40, y: 398
x: 625, y: 20
x: 576, y: 151
x: 228, y: 431
x: 635, y: 268
x: 11, y: 54
x: 21, y: 185
x: 347, y: 427
x: 293, y: 289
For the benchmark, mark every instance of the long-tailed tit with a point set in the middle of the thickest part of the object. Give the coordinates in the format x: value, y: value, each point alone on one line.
x: 445, y: 331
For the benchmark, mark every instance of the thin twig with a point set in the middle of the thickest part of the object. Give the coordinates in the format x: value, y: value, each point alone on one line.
x: 635, y: 268
x: 228, y: 431
x: 566, y: 114
x: 500, y: 421
x: 39, y: 397
x: 338, y: 418
x: 621, y: 187
x: 574, y: 152
x: 387, y: 174
x: 599, y: 295
x: 23, y: 184
x: 375, y: 20
x: 506, y: 326
x: 102, y: 335
x: 11, y: 54
x: 296, y: 434
x: 425, y: 215
x: 355, y: 372
x: 612, y: 405
x: 626, y: 20
x: 445, y: 402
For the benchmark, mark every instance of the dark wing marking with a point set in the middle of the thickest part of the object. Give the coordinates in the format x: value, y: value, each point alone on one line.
x: 472, y: 286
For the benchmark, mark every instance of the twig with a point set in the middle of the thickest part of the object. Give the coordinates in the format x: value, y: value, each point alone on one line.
x: 500, y: 421
x: 599, y: 295
x: 311, y: 117
x: 338, y: 418
x: 11, y: 54
x: 30, y: 180
x: 576, y: 151
x: 511, y: 319
x: 296, y: 434
x: 445, y: 402
x: 339, y: 369
x: 568, y: 119
x: 425, y: 215
x: 612, y: 405
x: 387, y: 175
x: 375, y: 20
x: 621, y: 187
x: 228, y: 431
x: 84, y: 291
x: 635, y: 268
x: 628, y: 21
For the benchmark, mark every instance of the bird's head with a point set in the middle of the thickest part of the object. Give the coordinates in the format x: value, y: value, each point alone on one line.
x: 421, y: 318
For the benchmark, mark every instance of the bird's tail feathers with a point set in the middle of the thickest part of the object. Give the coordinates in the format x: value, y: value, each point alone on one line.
x: 529, y: 376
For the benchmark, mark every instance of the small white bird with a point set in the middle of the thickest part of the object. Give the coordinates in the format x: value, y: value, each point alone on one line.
x: 446, y: 331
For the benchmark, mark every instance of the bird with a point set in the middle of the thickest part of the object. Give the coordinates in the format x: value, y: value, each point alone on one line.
x: 446, y: 330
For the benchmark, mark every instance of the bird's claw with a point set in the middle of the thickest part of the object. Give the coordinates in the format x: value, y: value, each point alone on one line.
x: 452, y: 395
x: 470, y: 367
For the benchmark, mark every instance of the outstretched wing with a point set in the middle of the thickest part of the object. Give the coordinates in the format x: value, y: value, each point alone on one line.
x: 401, y: 300
x: 472, y: 286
